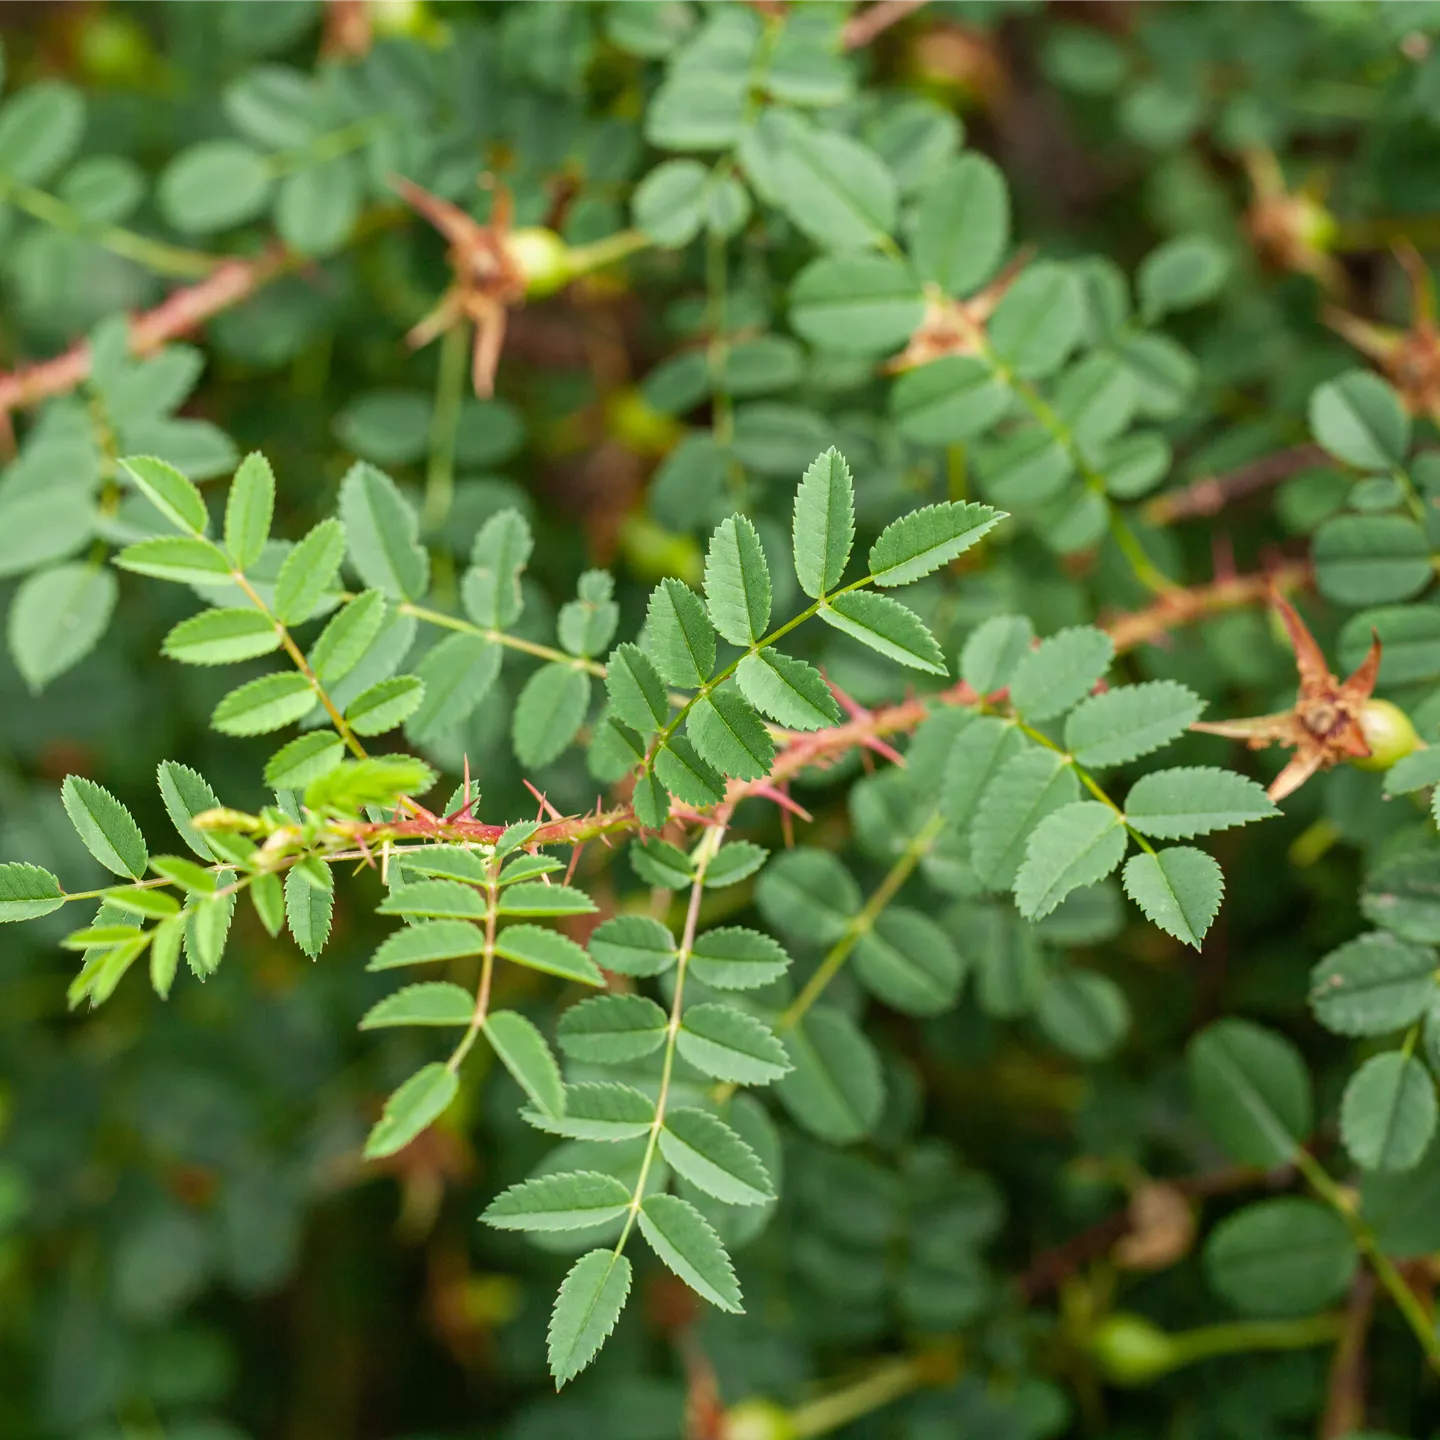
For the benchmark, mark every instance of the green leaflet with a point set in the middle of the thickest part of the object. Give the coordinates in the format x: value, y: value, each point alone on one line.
x: 611, y: 1029
x: 589, y: 1303
x: 165, y: 954
x: 442, y: 862
x: 547, y: 951
x: 1252, y: 1090
x: 979, y: 753
x: 963, y: 224
x: 688, y: 775
x: 680, y: 637
x: 637, y: 693
x: 737, y: 582
x: 174, y: 496
x: 267, y: 895
x: 1025, y: 789
x: 586, y: 625
x: 886, y: 626
x: 491, y: 588
x: 1176, y: 804
x: 993, y: 650
x: 1388, y: 1112
x: 347, y: 636
x: 730, y: 736
x: 835, y: 1088
x: 1373, y: 985
x: 105, y: 826
x: 1287, y: 1256
x: 422, y: 1099
x: 1121, y: 725
x: 380, y: 534
x: 429, y: 1002
x: 907, y: 961
x: 677, y: 1232
x: 1073, y: 846
x: 186, y: 795
x: 734, y: 958
x: 1359, y: 419
x: 734, y: 862
x: 658, y: 862
x: 559, y: 1202
x: 27, y: 891
x: 380, y: 781
x: 1085, y: 1014
x: 1416, y: 771
x: 385, y: 705
x: 824, y: 524
x: 176, y: 558
x: 1060, y: 671
x: 549, y: 712
x: 266, y: 704
x: 809, y: 894
x: 704, y: 1150
x: 443, y: 899
x: 457, y: 675
x: 309, y: 572
x: 539, y: 897
x: 731, y: 1045
x: 790, y: 691
x: 427, y: 941
x: 222, y: 637
x: 309, y: 901
x: 633, y: 945
x: 524, y: 1053
x: 926, y: 539
x: 1178, y: 888
x: 248, y: 510
x: 596, y: 1110
x: 57, y: 617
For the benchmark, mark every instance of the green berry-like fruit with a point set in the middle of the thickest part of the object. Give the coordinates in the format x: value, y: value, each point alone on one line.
x: 757, y: 1420
x: 1389, y: 734
x: 1131, y: 1351
x: 543, y: 256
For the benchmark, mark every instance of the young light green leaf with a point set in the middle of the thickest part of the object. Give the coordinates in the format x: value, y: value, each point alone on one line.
x: 427, y: 941
x: 309, y: 902
x: 177, y: 558
x: 1121, y: 725
x: 637, y: 693
x: 993, y: 650
x: 730, y: 736
x: 687, y: 775
x: 539, y: 897
x: 491, y: 588
x: 1179, y: 889
x: 27, y: 891
x: 611, y: 1029
x: 106, y: 827
x: 705, y: 1151
x: 1194, y: 800
x: 909, y: 962
x: 380, y: 534
x: 165, y: 945
x: 429, y: 1002
x: 1388, y: 1112
x: 680, y: 638
x: 731, y: 1045
x: 222, y: 637
x: 304, y: 759
x: 589, y: 1303
x: 174, y: 496
x: 524, y: 1053
x: 737, y: 582
x: 347, y: 636
x: 570, y: 1201
x: 1076, y: 845
x: 309, y: 572
x: 790, y: 691
x: 836, y: 1088
x: 886, y: 626
x: 421, y: 1100
x: 269, y: 703
x: 1373, y: 985
x: 587, y: 624
x: 385, y: 705
x: 633, y: 945
x: 1060, y: 671
x: 824, y: 524
x: 249, y: 509
x: 734, y: 958
x: 1252, y: 1090
x: 596, y: 1110
x: 186, y: 795
x: 683, y: 1239
x: 267, y: 895
x: 549, y: 712
x: 549, y: 951
x: 926, y: 539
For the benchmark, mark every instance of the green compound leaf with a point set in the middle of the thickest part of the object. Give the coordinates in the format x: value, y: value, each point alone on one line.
x: 637, y: 693
x: 597, y: 1110
x: 612, y: 1029
x: 1060, y: 671
x: 1359, y: 419
x: 491, y: 588
x: 687, y: 775
x: 680, y: 637
x: 260, y: 706
x: 1388, y: 1112
x: 348, y: 635
x: 549, y: 713
x: 429, y: 1002
x: 737, y: 582
x: 790, y: 691
x: 1121, y: 725
x: 705, y: 1151
x: 309, y: 572
x: 924, y: 540
x: 420, y: 1101
x: 836, y: 1087
x: 249, y: 509
x: 309, y: 901
x: 734, y: 958
x: 729, y: 735
x: 824, y: 524
x: 1281, y: 1257
x: 385, y: 705
x: 221, y: 637
x: 106, y: 827
x: 731, y: 1045
x: 886, y: 626
x: 1179, y: 889
x: 677, y: 1232
x: 427, y: 941
x: 174, y: 496
x: 1026, y: 788
x: 1252, y: 1090
x: 633, y: 945
x: 589, y: 1303
x: 1194, y: 800
x: 381, y: 534
x: 27, y: 891
x: 1373, y: 985
x: 1076, y: 845
x: 547, y: 951
x: 524, y: 1053
x: 177, y: 558
x: 908, y: 961
x: 559, y: 1202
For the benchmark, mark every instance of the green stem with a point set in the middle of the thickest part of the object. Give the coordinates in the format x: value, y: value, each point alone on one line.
x: 595, y: 256
x: 1241, y: 1337
x: 449, y: 391
x: 885, y: 1384
x: 487, y: 968
x: 499, y: 637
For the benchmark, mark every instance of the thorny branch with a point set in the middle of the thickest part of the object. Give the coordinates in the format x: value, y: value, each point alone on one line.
x: 861, y: 29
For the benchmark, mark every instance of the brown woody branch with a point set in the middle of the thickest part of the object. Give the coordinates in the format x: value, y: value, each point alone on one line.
x: 861, y: 29
x: 1211, y: 493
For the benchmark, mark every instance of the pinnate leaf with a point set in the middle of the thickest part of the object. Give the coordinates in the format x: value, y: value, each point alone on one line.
x: 886, y: 626
x: 1179, y: 889
x: 737, y: 582
x: 589, y: 1303
x: 824, y: 524
x: 678, y: 1233
x: 926, y: 539
x: 249, y: 509
x: 422, y: 1099
x: 105, y: 826
x: 1194, y: 800
x: 1121, y: 725
x: 680, y: 637
x: 1076, y: 845
x: 790, y: 691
